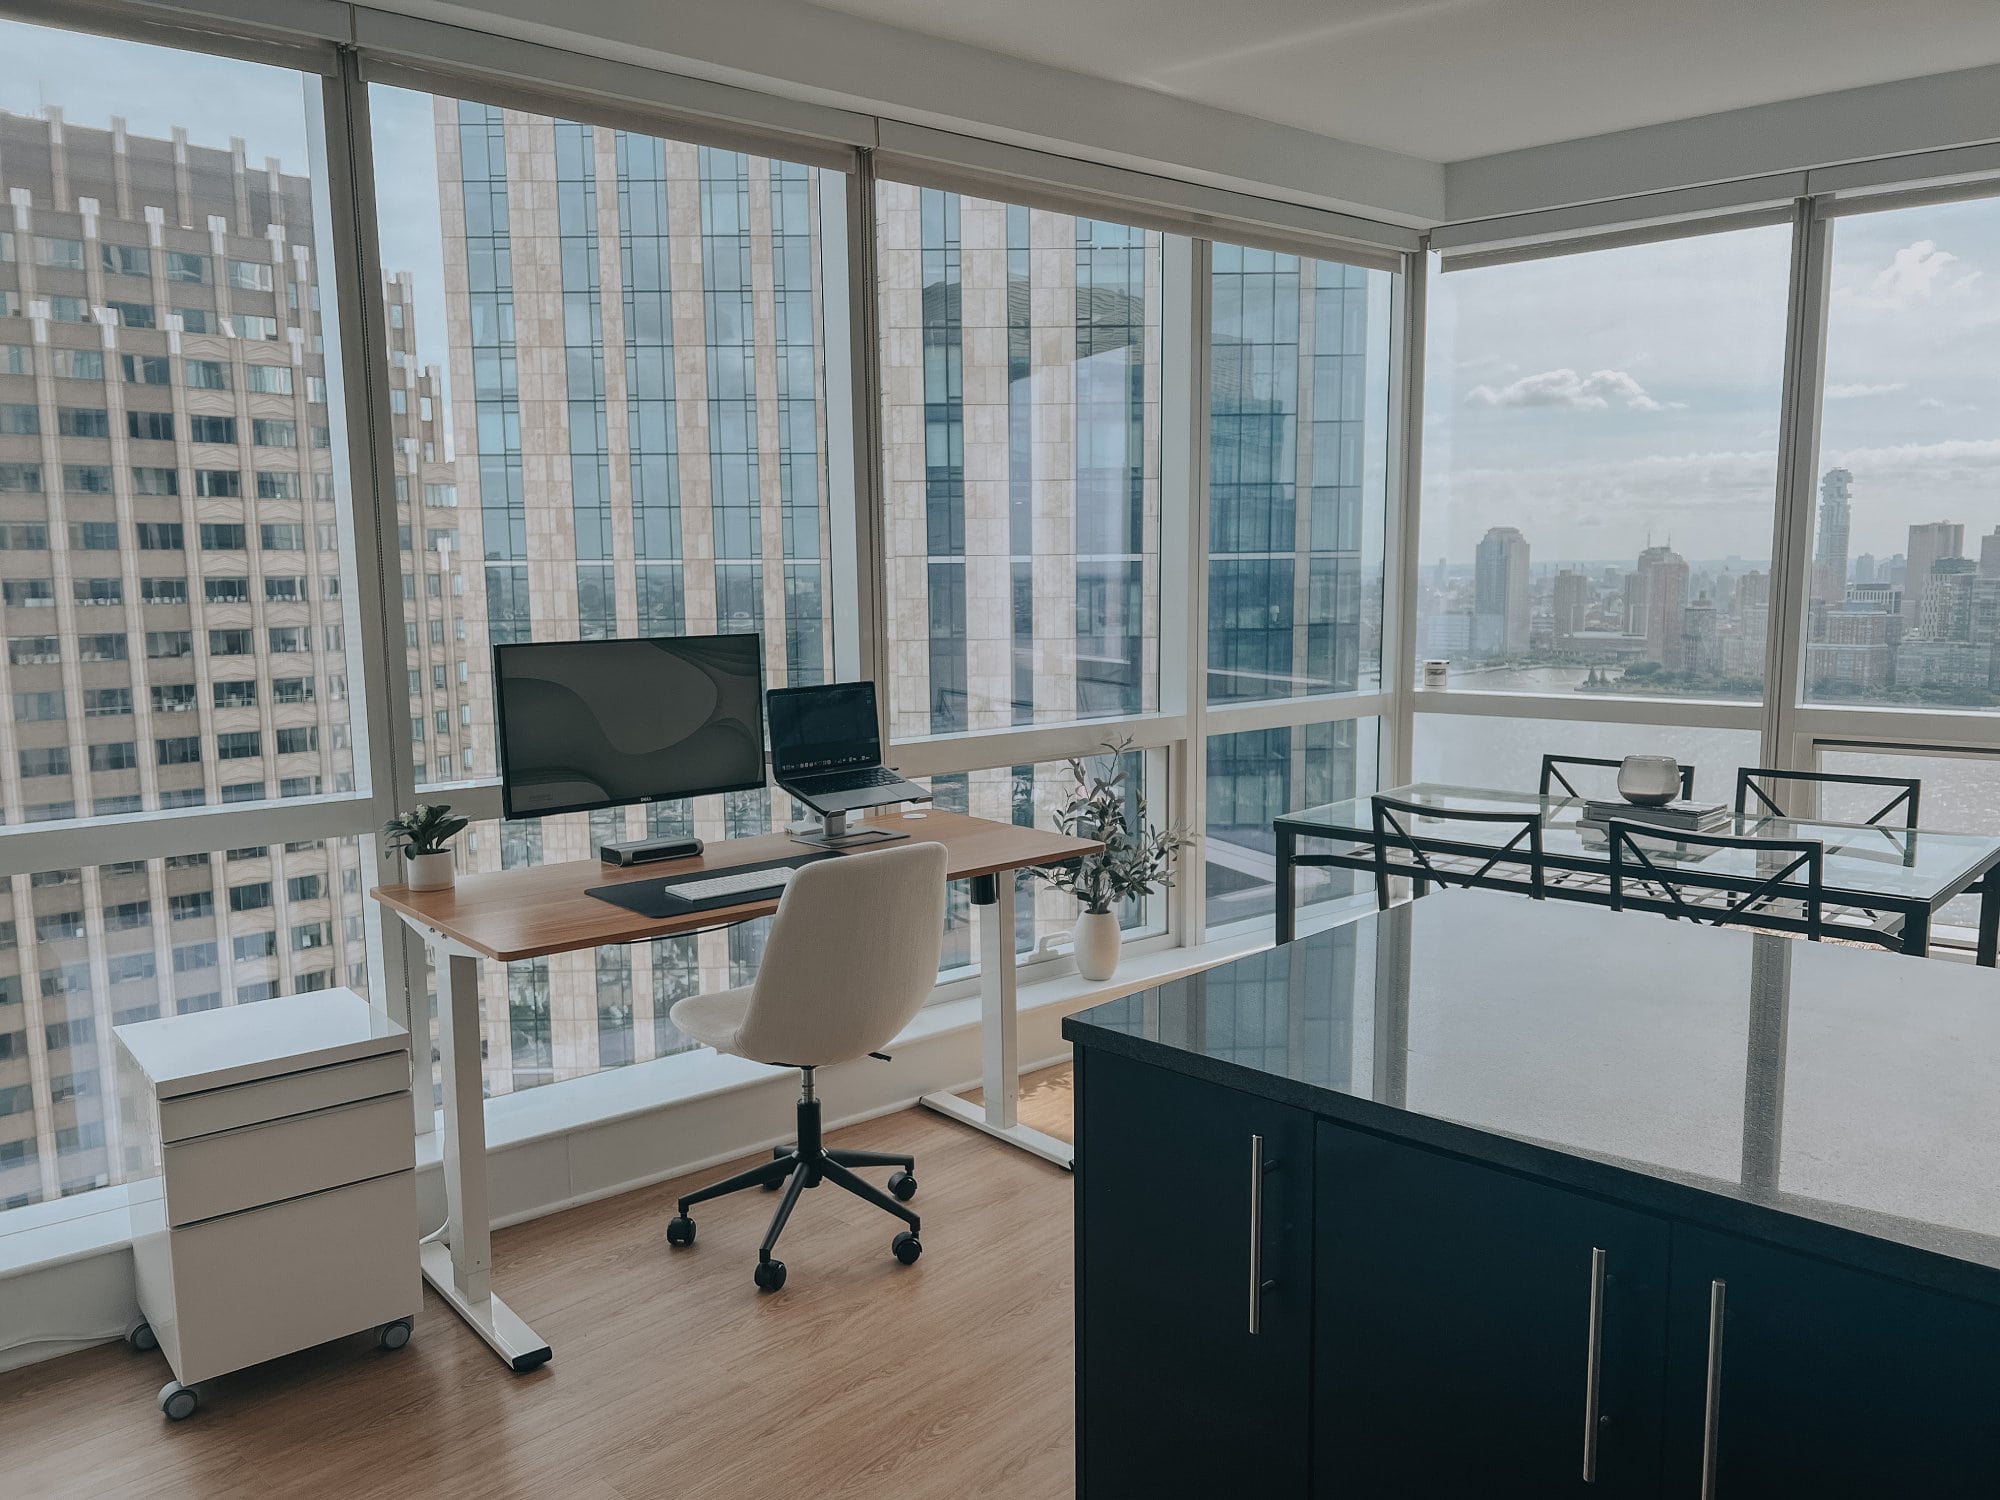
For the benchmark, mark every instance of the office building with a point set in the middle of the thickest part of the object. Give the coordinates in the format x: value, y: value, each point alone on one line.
x: 1572, y: 599
x: 1836, y: 488
x: 1663, y: 599
x: 1930, y: 543
x: 1501, y: 592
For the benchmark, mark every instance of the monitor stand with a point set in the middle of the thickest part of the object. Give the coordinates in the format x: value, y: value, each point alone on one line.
x: 835, y: 834
x: 647, y: 851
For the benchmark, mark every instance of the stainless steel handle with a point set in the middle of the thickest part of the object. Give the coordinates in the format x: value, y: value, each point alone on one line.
x: 1711, y: 1415
x: 1256, y: 1234
x: 1593, y: 1365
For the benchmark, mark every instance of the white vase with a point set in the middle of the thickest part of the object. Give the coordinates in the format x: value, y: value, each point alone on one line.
x: 1097, y: 940
x: 431, y: 872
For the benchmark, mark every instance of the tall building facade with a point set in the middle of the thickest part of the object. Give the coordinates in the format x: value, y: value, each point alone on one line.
x: 1931, y: 542
x: 1502, y: 597
x: 1836, y: 489
x: 174, y: 607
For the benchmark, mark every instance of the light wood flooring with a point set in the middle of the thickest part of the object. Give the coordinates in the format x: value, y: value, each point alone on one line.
x: 673, y: 1376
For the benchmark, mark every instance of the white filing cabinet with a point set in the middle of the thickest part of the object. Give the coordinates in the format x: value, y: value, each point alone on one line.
x: 272, y: 1161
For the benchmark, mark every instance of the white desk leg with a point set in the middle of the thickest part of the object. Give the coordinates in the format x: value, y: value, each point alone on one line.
x: 460, y: 1268
x: 998, y: 1114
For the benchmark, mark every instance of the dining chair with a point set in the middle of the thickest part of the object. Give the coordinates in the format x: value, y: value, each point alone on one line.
x: 1791, y: 873
x: 1553, y: 774
x: 1761, y: 782
x: 1466, y: 864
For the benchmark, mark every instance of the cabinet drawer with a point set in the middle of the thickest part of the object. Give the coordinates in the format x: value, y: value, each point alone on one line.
x: 256, y: 1285
x: 259, y: 1164
x: 275, y: 1098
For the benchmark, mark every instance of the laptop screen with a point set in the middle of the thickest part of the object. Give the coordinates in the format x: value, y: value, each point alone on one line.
x: 828, y: 728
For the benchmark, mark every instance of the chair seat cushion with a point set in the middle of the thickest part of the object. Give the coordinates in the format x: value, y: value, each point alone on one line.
x: 713, y: 1020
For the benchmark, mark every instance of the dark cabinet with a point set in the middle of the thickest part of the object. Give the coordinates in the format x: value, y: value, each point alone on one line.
x: 1478, y: 1333
x: 1189, y: 1382
x: 1826, y: 1381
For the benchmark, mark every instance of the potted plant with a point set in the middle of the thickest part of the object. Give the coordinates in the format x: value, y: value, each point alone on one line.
x: 422, y: 833
x: 1136, y: 858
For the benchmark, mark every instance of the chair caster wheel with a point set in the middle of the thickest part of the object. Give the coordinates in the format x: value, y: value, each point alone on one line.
x: 904, y: 1186
x: 178, y: 1401
x: 770, y: 1275
x: 680, y: 1231
x: 140, y: 1338
x: 394, y: 1335
x: 907, y: 1247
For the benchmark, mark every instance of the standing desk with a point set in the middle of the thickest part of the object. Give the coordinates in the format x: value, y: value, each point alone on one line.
x: 546, y: 909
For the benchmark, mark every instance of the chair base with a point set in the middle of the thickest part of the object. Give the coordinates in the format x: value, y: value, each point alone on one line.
x: 807, y: 1165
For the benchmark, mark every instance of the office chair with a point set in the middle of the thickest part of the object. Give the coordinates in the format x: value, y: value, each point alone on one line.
x: 852, y: 956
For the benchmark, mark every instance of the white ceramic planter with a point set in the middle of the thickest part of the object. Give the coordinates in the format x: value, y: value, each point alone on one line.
x: 431, y: 872
x: 1097, y: 940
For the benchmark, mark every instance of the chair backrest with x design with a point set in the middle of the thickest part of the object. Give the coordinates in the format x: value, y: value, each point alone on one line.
x: 1760, y: 782
x: 1394, y: 818
x: 1787, y: 869
x: 1553, y: 774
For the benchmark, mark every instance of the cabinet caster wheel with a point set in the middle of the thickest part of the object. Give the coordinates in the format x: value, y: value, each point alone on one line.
x: 907, y: 1247
x: 680, y: 1231
x: 904, y: 1186
x: 178, y: 1401
x: 140, y: 1338
x: 770, y: 1275
x: 394, y: 1335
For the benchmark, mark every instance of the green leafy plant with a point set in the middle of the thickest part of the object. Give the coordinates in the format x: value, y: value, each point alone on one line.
x: 1137, y: 857
x: 424, y: 829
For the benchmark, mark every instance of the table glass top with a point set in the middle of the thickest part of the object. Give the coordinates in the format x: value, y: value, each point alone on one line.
x: 1919, y: 863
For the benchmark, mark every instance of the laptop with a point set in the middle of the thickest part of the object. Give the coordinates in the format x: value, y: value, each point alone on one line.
x: 826, y: 749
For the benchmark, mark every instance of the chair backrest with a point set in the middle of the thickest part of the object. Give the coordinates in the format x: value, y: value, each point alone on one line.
x: 1393, y: 828
x: 1787, y: 869
x: 1553, y: 774
x: 1762, y: 782
x: 852, y: 956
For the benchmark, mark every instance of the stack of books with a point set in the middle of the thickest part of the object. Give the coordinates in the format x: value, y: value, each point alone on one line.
x: 1677, y: 816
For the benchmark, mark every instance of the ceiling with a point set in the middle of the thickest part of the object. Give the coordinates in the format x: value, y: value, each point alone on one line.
x: 1449, y: 80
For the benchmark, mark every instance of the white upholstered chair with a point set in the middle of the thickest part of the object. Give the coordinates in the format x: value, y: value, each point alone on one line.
x: 852, y: 955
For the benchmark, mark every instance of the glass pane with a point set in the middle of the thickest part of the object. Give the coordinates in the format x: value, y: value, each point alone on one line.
x: 1506, y: 754
x: 1255, y: 776
x: 1600, y: 468
x: 1021, y: 446
x: 84, y: 950
x: 1298, y: 431
x: 173, y: 509
x: 1905, y: 602
x: 1957, y: 797
x: 611, y: 357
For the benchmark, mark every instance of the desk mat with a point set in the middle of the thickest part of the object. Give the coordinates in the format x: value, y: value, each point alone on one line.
x: 657, y: 898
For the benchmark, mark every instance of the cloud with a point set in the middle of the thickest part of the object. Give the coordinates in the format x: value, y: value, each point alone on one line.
x: 1565, y: 388
x: 1932, y: 403
x: 1916, y: 273
x: 1849, y: 392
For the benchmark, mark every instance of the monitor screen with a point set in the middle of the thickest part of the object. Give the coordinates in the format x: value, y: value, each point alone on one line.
x: 823, y: 728
x: 587, y: 724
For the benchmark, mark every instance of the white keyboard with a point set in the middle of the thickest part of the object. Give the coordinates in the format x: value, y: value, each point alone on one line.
x: 743, y: 883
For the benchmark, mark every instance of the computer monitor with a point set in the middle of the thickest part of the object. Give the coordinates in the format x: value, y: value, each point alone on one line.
x: 590, y: 724
x: 823, y: 728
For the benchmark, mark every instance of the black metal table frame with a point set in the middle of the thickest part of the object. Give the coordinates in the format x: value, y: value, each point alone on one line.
x: 1369, y: 857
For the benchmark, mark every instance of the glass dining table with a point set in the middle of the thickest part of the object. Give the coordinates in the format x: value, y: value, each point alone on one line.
x: 1903, y: 875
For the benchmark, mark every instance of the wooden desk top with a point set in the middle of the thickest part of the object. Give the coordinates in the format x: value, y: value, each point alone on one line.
x: 544, y: 909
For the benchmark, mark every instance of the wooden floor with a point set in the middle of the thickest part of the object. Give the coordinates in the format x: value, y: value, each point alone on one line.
x: 673, y: 1376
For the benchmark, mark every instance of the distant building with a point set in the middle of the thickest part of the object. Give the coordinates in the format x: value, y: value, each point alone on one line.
x: 1857, y: 652
x: 1701, y: 638
x: 1501, y: 592
x: 1946, y: 611
x: 1663, y: 591
x: 1930, y: 542
x: 1830, y: 555
x: 1989, y: 554
x: 1572, y: 596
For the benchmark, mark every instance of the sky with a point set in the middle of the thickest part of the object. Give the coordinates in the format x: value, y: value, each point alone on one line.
x: 1594, y: 399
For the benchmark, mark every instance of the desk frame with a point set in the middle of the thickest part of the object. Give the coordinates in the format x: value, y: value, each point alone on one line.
x: 459, y: 1264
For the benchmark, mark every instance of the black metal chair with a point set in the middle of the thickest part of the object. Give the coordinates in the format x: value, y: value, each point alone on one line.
x: 1552, y: 774
x: 1466, y: 864
x: 1751, y: 781
x: 1778, y: 885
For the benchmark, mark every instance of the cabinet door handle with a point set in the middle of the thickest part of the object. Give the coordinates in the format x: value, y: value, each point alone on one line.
x: 1711, y: 1413
x: 1593, y: 1365
x: 1256, y: 1234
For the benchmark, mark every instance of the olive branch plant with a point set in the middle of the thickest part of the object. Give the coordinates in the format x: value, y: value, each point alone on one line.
x: 1137, y: 857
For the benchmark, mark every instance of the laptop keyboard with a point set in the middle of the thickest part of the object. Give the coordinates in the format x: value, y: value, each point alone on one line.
x: 855, y: 781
